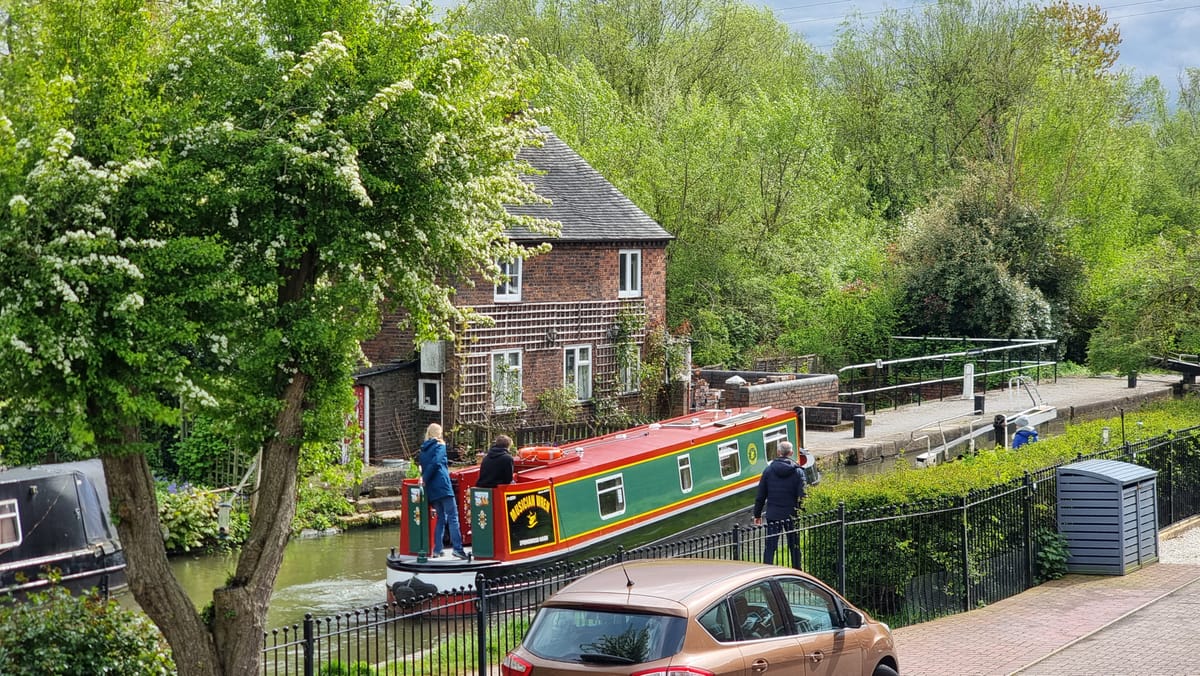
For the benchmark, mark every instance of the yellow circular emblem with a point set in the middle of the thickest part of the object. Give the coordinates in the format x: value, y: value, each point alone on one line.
x: 752, y: 453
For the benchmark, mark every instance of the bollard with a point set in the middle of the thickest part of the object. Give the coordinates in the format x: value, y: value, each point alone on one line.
x: 998, y: 425
x: 979, y: 398
x: 860, y: 425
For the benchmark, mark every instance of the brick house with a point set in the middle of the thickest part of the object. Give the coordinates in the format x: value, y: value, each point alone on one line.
x: 576, y: 317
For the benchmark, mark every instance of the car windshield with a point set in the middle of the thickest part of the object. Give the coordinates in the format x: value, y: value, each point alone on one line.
x: 604, y: 636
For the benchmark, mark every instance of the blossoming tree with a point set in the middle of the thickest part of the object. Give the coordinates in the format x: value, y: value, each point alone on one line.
x: 211, y: 202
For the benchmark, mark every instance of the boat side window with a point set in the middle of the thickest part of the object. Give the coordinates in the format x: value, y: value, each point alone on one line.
x: 685, y: 473
x: 730, y: 459
x: 610, y: 494
x: 10, y: 524
x: 771, y: 439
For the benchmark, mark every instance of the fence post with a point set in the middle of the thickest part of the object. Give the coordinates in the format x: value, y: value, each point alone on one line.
x: 965, y: 563
x: 1170, y: 492
x: 309, y: 646
x: 841, y: 551
x: 481, y: 613
x: 1028, y: 509
x: 736, y: 539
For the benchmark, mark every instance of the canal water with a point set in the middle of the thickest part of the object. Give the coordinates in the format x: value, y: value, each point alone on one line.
x: 332, y: 574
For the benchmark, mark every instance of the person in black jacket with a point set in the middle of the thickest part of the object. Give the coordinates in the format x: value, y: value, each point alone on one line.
x: 497, y: 466
x: 780, y: 490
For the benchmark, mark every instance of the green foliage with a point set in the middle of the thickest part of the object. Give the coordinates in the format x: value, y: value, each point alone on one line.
x: 631, y: 644
x: 188, y: 516
x: 198, y: 456
x: 324, y: 487
x: 1051, y: 556
x: 905, y: 485
x: 351, y: 669
x: 53, y: 632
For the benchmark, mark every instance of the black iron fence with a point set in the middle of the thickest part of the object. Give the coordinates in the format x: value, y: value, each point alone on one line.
x: 904, y: 564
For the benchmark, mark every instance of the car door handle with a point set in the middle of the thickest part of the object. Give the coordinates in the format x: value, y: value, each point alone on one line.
x: 759, y: 666
x: 816, y: 656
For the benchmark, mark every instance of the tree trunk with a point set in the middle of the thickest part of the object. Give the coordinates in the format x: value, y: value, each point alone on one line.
x: 240, y: 608
x: 135, y: 511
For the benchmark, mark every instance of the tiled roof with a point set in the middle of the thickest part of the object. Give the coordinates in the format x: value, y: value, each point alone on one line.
x: 588, y: 206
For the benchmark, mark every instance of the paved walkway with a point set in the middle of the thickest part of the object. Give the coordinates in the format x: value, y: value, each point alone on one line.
x: 889, y: 431
x: 1140, y: 623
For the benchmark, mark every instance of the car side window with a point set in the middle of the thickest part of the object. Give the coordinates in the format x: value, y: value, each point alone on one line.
x: 813, y: 608
x: 717, y: 623
x: 756, y: 613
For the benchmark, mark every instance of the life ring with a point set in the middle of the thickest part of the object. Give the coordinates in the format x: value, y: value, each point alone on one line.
x: 539, y: 453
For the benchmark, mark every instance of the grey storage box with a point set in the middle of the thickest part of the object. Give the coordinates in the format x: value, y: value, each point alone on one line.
x: 1108, y: 513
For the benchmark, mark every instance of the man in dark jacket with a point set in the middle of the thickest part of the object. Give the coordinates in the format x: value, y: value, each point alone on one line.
x: 780, y: 490
x: 497, y: 465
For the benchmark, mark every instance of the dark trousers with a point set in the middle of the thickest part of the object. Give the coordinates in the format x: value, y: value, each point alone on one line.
x: 788, y: 528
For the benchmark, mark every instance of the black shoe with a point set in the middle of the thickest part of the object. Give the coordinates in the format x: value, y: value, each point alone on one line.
x: 435, y: 555
x: 461, y: 555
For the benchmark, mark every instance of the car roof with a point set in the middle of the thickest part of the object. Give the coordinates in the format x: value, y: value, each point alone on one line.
x: 670, y: 586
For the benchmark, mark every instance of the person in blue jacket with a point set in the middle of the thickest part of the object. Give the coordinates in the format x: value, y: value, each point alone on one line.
x: 435, y: 475
x: 780, y: 490
x: 1025, y: 434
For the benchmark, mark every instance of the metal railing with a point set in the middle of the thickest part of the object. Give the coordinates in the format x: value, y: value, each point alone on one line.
x: 902, y: 563
x: 905, y: 380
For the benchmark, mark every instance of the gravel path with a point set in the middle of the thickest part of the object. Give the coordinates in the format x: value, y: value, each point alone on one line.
x: 1183, y: 548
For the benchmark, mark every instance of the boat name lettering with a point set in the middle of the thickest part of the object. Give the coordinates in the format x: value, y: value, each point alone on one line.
x: 531, y: 501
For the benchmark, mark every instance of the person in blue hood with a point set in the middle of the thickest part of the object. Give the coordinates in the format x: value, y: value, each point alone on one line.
x: 435, y: 475
x: 780, y: 491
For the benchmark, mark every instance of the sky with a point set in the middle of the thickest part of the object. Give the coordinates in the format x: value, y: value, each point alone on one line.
x: 1158, y: 37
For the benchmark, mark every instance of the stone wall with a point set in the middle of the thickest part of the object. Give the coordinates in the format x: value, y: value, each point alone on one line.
x: 779, y: 390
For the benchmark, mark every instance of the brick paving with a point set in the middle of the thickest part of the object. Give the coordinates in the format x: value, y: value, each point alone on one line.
x: 1082, y: 624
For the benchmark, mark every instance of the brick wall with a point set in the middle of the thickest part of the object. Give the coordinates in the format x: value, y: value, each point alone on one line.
x: 780, y: 390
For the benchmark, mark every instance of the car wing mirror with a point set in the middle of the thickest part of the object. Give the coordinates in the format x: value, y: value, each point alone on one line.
x: 851, y: 618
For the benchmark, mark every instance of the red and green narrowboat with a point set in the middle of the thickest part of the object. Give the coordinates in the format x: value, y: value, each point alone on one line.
x: 569, y: 497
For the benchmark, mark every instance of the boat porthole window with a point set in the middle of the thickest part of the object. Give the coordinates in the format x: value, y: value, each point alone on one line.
x: 685, y: 473
x: 771, y: 439
x: 729, y: 459
x: 10, y: 524
x: 610, y: 493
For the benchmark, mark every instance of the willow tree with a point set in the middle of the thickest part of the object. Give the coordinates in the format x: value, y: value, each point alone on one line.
x: 212, y: 202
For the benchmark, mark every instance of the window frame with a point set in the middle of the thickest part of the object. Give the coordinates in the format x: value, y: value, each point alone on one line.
x: 618, y: 488
x: 422, y: 383
x: 684, y: 463
x: 725, y: 450
x: 629, y: 273
x: 518, y: 395
x: 571, y: 375
x: 10, y: 512
x: 508, y: 289
x: 771, y: 439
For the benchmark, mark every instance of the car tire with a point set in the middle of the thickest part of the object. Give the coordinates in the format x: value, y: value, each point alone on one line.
x: 884, y: 670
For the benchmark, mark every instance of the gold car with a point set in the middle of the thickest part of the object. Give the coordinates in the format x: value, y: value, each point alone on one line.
x: 701, y: 617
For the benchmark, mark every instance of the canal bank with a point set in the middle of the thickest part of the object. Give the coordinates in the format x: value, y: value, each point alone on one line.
x: 911, y: 429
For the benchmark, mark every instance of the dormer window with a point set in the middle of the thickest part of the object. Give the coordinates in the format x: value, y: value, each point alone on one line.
x: 630, y: 270
x: 508, y: 290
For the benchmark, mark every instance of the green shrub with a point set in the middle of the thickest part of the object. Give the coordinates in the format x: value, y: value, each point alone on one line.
x: 188, y: 516
x: 53, y: 632
x: 354, y: 669
x: 1051, y: 556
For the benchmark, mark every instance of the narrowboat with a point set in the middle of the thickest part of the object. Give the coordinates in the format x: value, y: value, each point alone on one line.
x: 583, y: 493
x: 55, y: 529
